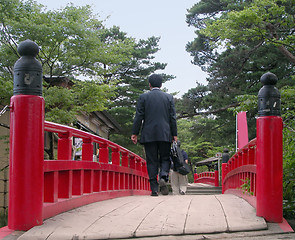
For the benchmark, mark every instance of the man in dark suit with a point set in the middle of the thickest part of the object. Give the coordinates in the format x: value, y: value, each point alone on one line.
x: 155, y: 116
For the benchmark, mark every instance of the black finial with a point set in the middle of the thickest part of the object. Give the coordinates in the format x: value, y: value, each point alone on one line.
x: 27, y: 77
x: 269, y: 79
x: 28, y: 48
x: 269, y: 97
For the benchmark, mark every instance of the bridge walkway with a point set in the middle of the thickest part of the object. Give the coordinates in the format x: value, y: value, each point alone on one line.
x: 146, y: 216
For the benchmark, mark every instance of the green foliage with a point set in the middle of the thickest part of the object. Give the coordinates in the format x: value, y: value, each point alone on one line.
x: 133, y: 81
x: 3, y: 219
x: 109, y: 69
x: 5, y: 91
x: 247, y: 103
x: 246, y: 186
x: 268, y: 21
x: 196, y: 142
x: 74, y: 45
x: 288, y: 114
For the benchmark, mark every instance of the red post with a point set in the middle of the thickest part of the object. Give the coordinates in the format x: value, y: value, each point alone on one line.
x: 26, y: 175
x: 87, y: 150
x: 138, y: 164
x: 125, y: 159
x: 270, y: 168
x: 269, y: 152
x: 195, y: 177
x: 115, y: 156
x: 64, y: 146
x: 132, y: 162
x: 216, y: 180
x: 51, y: 186
x: 26, y: 162
x: 223, y: 173
x: 103, y: 153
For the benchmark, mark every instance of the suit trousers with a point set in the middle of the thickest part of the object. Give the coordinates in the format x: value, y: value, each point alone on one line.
x: 157, y: 157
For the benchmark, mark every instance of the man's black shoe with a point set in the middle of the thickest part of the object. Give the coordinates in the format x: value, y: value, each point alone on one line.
x: 154, y: 194
x: 163, y: 187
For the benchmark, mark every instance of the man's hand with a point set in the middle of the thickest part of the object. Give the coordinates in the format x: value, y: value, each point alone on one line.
x: 134, y: 138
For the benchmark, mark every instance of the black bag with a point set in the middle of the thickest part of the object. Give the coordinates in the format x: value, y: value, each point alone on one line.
x: 178, y: 162
x: 184, y: 169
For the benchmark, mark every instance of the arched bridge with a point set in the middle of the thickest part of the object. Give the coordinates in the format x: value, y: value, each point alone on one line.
x: 110, y: 198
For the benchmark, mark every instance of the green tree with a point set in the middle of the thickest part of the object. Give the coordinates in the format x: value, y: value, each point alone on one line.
x: 194, y: 138
x: 265, y: 22
x: 71, y: 46
x: 235, y: 59
x: 132, y: 78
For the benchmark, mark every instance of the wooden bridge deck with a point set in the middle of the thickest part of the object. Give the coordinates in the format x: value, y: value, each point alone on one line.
x: 146, y: 216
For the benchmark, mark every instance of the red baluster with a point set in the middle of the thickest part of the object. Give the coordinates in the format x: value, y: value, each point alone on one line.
x: 115, y: 156
x: 216, y: 178
x: 87, y: 150
x: 64, y: 149
x: 50, y: 186
x: 78, y: 182
x: 103, y: 153
x: 125, y: 159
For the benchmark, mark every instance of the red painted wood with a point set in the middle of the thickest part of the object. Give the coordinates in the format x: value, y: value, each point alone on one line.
x: 51, y: 183
x: 87, y: 150
x: 270, y: 168
x: 216, y: 179
x: 65, y: 184
x: 26, y: 176
x: 64, y: 146
x: 78, y: 182
x: 88, y: 181
x: 69, y: 183
x: 63, y: 205
x: 103, y: 153
x: 115, y: 156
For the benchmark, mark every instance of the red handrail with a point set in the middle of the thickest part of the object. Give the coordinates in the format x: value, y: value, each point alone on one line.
x: 70, y: 183
x: 239, y: 173
x: 207, y: 178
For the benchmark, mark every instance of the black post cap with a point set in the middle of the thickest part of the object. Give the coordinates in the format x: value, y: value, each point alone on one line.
x: 27, y: 77
x: 269, y: 97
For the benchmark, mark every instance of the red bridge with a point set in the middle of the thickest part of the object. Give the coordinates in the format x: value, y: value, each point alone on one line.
x: 70, y: 199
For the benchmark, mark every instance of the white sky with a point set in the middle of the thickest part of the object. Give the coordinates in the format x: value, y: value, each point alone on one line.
x: 143, y: 19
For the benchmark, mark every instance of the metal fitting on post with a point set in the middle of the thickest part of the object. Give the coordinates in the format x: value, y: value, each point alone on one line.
x: 27, y: 78
x: 269, y: 98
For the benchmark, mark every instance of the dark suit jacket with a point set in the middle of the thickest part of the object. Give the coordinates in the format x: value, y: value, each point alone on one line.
x: 155, y: 113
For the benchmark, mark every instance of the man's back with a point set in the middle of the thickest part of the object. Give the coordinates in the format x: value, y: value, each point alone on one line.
x: 156, y: 110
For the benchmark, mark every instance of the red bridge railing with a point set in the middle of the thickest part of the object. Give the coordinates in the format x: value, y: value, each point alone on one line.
x: 255, y: 172
x: 207, y: 178
x: 70, y: 183
x: 239, y: 173
x: 41, y: 188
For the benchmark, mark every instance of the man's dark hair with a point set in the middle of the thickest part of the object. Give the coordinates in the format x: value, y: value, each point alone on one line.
x: 155, y: 80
